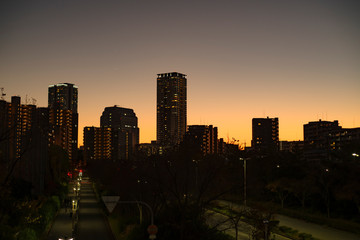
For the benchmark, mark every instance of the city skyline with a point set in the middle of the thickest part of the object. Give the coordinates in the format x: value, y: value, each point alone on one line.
x: 294, y: 61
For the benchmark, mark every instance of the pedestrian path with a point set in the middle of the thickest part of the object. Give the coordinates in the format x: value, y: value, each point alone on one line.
x: 92, y: 223
x: 62, y: 224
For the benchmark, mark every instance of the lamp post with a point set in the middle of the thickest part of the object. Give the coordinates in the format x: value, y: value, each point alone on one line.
x: 152, y: 229
x: 266, y: 222
x: 196, y: 173
x: 244, y: 159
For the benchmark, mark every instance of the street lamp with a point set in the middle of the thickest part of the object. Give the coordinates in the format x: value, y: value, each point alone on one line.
x: 244, y: 159
x: 196, y: 173
x: 266, y: 222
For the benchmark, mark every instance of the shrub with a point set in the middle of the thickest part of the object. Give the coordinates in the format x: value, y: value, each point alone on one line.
x: 56, y: 202
x: 27, y: 234
x: 305, y: 236
x: 6, y: 232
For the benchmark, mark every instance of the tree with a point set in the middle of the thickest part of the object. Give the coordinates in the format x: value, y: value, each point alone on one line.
x: 177, y: 186
x: 281, y: 187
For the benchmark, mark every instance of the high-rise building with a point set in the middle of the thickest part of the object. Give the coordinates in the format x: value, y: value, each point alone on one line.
x: 125, y: 131
x: 23, y: 143
x: 63, y: 96
x: 203, y: 137
x: 171, y: 108
x: 317, y: 139
x: 97, y: 144
x: 62, y: 103
x: 265, y: 134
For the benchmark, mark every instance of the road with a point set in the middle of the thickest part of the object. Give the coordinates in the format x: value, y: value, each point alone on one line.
x: 227, y: 226
x: 92, y: 224
x: 318, y: 231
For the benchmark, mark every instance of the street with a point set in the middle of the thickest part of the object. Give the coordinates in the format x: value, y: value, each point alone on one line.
x: 318, y: 231
x: 225, y: 225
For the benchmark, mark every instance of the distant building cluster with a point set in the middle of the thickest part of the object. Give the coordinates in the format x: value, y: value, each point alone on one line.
x: 116, y: 139
x: 322, y: 137
x: 27, y: 132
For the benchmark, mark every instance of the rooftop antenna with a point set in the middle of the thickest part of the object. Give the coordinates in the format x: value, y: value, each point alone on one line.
x: 2, y: 94
x: 33, y: 101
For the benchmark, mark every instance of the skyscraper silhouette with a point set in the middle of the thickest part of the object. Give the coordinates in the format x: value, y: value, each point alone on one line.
x: 63, y: 117
x: 125, y: 131
x: 171, y: 108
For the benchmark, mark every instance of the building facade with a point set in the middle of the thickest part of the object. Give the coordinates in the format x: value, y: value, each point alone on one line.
x: 23, y: 143
x: 63, y: 107
x: 97, y: 144
x: 317, y: 139
x: 171, y: 108
x: 344, y: 137
x: 204, y: 138
x: 265, y: 134
x: 125, y: 131
x: 292, y: 146
x: 63, y: 96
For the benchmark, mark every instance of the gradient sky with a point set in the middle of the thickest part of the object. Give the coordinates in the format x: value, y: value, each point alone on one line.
x: 295, y: 60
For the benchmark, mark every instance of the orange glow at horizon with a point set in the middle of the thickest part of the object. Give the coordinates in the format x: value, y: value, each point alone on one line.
x: 298, y: 61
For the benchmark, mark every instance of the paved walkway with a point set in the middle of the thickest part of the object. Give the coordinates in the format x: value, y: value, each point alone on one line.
x: 62, y: 225
x: 92, y: 224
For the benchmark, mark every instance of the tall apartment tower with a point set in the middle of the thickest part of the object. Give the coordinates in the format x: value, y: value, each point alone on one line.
x: 63, y: 96
x: 265, y: 134
x: 63, y: 117
x: 171, y: 108
x: 23, y: 143
x: 125, y: 131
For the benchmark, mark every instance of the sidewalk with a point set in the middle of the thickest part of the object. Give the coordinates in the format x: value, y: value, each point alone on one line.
x: 92, y: 223
x: 62, y: 225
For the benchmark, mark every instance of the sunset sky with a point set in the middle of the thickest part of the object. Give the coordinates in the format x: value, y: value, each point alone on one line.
x: 295, y: 60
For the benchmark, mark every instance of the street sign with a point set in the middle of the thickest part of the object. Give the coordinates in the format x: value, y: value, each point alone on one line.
x: 152, y: 229
x: 110, y: 202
